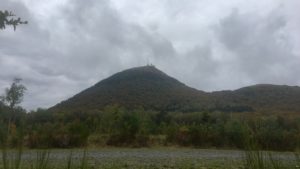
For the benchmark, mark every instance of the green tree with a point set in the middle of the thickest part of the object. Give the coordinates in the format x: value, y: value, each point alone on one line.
x: 7, y: 18
x: 14, y: 94
x: 13, y: 97
x: 237, y: 133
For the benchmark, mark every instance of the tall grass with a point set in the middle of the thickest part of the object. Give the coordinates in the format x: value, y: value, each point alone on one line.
x: 69, y: 161
x: 84, y: 160
x: 11, y: 159
x: 42, y: 160
x: 254, y: 158
x: 257, y: 159
x: 297, y: 157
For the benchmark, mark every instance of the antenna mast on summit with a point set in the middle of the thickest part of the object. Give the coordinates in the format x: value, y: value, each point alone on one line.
x: 148, y: 61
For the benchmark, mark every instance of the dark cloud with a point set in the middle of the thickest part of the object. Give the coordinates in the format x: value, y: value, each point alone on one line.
x: 260, y: 46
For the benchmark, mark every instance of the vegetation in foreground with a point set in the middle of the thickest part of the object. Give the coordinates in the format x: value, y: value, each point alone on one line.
x: 83, y: 159
x: 118, y: 127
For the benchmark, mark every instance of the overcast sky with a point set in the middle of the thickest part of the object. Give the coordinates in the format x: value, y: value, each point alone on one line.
x: 70, y: 45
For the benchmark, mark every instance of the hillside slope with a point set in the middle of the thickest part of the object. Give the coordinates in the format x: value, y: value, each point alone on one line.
x: 267, y: 97
x: 150, y: 88
x: 145, y: 87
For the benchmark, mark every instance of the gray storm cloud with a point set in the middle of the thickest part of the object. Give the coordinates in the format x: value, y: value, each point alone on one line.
x: 74, y: 44
x: 260, y: 46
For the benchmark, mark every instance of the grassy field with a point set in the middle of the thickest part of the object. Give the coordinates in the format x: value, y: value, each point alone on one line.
x: 152, y: 158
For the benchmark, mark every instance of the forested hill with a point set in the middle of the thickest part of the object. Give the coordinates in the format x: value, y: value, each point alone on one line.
x: 149, y: 88
x: 264, y: 97
x: 145, y: 87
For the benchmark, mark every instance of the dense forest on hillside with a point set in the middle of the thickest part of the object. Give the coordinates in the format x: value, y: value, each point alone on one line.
x: 116, y: 126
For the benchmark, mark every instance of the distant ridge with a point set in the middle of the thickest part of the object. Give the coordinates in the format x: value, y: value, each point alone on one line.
x: 149, y: 88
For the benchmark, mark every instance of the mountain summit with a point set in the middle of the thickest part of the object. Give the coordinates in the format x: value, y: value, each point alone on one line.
x: 137, y: 87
